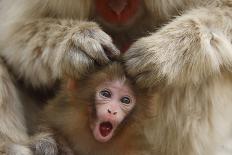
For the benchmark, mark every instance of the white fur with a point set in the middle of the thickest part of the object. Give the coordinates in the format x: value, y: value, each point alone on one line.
x: 191, y: 56
x: 15, y: 149
x: 11, y: 111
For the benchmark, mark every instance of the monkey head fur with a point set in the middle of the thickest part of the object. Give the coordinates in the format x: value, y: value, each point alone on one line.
x: 73, y: 114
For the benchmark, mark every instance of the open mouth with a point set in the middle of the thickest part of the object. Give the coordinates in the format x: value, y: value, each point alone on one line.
x: 105, y: 128
x: 103, y: 131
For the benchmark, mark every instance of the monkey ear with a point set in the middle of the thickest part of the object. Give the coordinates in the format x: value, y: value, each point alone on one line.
x: 71, y: 84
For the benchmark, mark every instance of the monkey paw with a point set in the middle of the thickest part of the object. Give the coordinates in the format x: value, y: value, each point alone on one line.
x: 141, y: 63
x: 86, y: 45
x: 45, y: 145
x: 172, y: 56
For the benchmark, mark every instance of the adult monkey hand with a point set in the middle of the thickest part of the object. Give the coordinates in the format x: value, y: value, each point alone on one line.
x: 60, y: 48
x: 187, y: 50
x: 86, y: 45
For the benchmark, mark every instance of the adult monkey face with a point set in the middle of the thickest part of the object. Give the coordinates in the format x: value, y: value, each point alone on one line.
x: 119, y: 12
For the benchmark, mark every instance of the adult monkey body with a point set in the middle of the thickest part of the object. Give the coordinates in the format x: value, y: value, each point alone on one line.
x: 190, y: 56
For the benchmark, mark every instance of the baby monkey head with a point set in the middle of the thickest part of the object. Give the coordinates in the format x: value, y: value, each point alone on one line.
x: 110, y: 99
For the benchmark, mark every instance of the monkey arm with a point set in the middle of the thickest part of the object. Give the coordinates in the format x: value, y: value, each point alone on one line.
x: 12, y: 123
x: 42, y: 50
x: 189, y: 49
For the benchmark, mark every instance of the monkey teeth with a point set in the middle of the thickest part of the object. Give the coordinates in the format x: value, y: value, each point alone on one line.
x: 105, y: 128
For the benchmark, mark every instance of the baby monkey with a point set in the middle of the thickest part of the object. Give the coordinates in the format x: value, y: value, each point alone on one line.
x: 100, y: 114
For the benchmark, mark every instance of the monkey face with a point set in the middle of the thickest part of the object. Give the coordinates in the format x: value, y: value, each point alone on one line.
x: 120, y: 12
x: 113, y: 101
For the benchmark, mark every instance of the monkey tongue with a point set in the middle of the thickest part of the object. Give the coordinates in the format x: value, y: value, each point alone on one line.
x: 105, y: 128
x: 103, y: 131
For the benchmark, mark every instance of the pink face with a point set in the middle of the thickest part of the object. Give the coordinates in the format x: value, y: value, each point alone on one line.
x: 119, y: 12
x: 114, y: 101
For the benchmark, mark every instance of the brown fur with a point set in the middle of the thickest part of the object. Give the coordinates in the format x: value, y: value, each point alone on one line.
x: 68, y: 116
x: 182, y: 45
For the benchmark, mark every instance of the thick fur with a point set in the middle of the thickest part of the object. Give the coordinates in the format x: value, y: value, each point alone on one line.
x: 12, y: 120
x: 65, y: 120
x: 190, y: 57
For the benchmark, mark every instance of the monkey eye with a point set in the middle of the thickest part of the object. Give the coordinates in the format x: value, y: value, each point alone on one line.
x: 105, y: 93
x: 125, y: 100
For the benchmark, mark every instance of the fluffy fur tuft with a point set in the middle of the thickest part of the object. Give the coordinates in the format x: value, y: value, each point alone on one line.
x: 182, y: 55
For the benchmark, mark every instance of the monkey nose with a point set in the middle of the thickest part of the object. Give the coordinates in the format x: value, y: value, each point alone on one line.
x: 110, y: 112
x: 117, y: 5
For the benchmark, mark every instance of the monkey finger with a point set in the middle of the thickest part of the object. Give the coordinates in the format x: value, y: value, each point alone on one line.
x: 94, y: 50
x: 111, y: 51
x: 135, y: 63
x: 145, y: 76
x: 141, y: 66
x: 105, y: 40
x: 148, y: 79
x: 76, y: 63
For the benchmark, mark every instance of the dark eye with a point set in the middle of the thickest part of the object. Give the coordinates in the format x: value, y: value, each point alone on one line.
x: 125, y: 100
x: 105, y: 93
